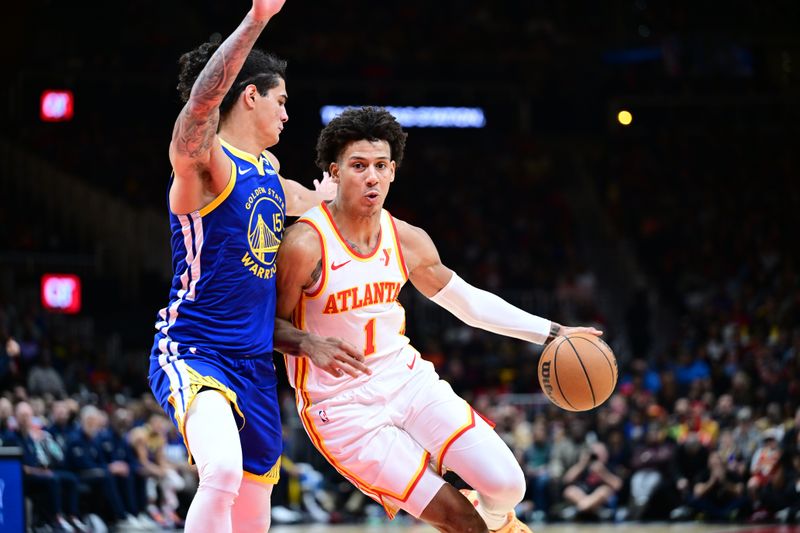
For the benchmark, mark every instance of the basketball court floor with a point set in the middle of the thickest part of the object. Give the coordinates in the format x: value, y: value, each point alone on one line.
x: 554, y: 528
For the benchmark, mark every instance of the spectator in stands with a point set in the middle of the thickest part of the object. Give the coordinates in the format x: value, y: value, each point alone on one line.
x: 43, y: 379
x: 149, y: 444
x: 178, y: 458
x: 535, y: 460
x: 41, y: 474
x: 779, y: 497
x: 635, y: 426
x: 731, y: 451
x: 652, y: 484
x: 566, y: 447
x: 118, y: 454
x: 745, y: 434
x: 85, y: 457
x: 619, y: 453
x: 725, y: 412
x: 763, y: 464
x: 719, y: 492
x: 691, y: 460
x: 62, y: 423
x: 6, y: 415
x: 589, y: 483
x: 9, y: 368
x: 9, y: 361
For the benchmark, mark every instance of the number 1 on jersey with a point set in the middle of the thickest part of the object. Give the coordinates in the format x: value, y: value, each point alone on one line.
x: 369, y: 346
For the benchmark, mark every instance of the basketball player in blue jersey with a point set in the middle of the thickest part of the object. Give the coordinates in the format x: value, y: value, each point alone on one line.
x: 211, y: 364
x: 394, y: 431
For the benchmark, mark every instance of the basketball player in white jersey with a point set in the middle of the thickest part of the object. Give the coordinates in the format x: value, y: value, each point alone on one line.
x: 392, y: 431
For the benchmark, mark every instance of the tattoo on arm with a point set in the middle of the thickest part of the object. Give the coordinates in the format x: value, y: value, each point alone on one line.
x: 198, y: 122
x: 193, y: 135
x: 316, y: 274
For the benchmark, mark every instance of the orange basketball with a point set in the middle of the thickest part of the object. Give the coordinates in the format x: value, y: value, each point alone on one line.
x: 578, y: 372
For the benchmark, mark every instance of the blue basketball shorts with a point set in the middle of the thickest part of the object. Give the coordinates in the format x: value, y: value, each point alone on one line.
x: 179, y: 372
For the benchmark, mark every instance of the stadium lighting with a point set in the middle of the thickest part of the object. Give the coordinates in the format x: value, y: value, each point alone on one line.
x: 61, y: 293
x: 625, y: 117
x: 422, y: 117
x: 56, y: 106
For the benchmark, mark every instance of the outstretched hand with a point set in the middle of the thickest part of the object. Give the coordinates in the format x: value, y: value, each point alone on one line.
x: 266, y: 9
x: 335, y: 356
x: 326, y: 188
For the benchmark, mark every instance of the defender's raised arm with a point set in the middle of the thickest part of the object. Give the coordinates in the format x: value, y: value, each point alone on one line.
x: 201, y: 169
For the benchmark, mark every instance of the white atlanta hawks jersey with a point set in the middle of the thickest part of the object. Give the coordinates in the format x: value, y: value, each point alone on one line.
x: 354, y: 299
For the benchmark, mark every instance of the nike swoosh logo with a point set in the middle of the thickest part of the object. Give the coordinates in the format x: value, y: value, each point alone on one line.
x: 413, y: 362
x: 243, y: 170
x: 334, y: 266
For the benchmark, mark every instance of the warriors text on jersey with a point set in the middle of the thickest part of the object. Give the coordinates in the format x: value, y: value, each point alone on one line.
x: 354, y: 299
x: 223, y: 287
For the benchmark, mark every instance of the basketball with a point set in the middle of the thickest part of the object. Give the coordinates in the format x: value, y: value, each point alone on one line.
x: 578, y: 372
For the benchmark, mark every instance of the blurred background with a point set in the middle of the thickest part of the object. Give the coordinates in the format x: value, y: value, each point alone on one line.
x: 633, y: 169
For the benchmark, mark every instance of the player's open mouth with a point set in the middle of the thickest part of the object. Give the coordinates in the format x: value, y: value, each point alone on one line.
x: 372, y: 195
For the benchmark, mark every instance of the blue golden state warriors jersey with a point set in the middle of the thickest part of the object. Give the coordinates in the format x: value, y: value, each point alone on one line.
x: 222, y: 299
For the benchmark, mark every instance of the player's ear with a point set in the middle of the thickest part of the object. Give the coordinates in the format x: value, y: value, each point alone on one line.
x: 394, y: 168
x: 249, y: 96
x: 333, y: 170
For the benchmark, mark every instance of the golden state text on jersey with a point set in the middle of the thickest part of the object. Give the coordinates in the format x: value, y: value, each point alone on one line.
x: 222, y: 299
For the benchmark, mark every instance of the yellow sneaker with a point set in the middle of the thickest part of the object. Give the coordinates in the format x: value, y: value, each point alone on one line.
x: 514, y: 524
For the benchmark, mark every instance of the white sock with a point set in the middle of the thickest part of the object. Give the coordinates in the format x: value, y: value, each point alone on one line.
x: 215, y: 446
x: 494, y: 519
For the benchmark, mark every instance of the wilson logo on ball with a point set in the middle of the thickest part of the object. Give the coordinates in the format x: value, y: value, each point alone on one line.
x: 546, y: 385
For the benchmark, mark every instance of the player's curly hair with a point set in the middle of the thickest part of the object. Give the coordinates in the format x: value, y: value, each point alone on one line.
x: 262, y: 69
x: 358, y: 124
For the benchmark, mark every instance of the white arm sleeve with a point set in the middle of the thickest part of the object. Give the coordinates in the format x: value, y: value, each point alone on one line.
x: 484, y: 310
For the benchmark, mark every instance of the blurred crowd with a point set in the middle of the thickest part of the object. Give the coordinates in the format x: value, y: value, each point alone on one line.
x: 87, y: 468
x: 633, y: 459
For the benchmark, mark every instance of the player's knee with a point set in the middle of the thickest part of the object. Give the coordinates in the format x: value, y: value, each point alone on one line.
x: 506, y: 485
x: 222, y: 474
x: 518, y: 485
